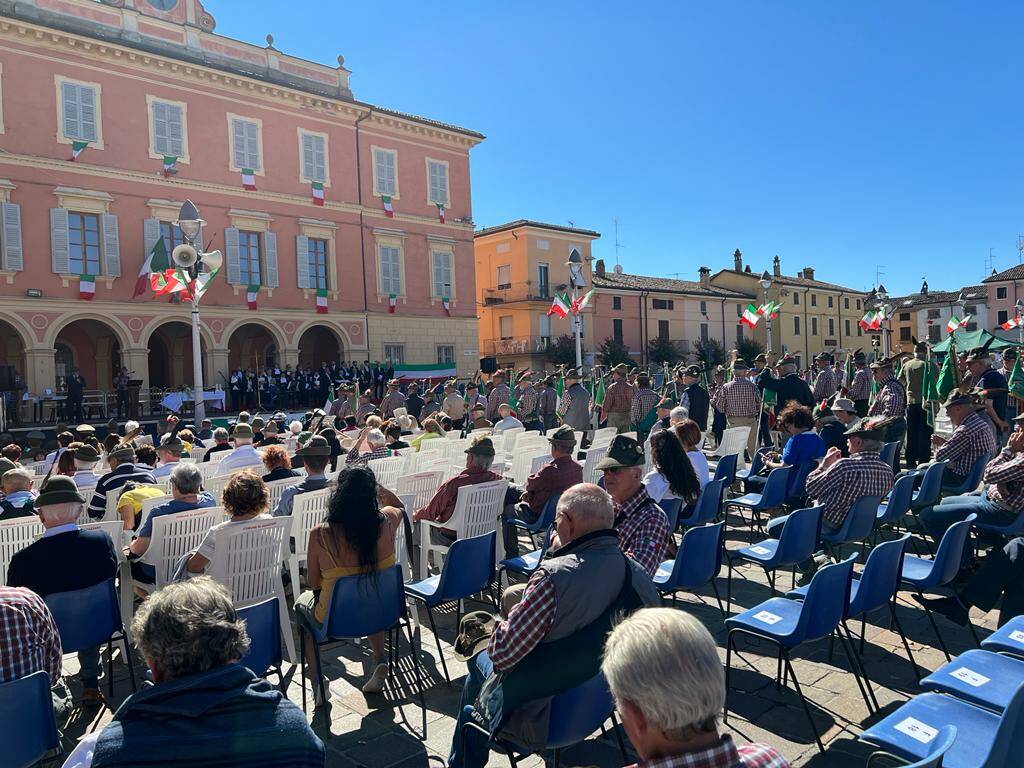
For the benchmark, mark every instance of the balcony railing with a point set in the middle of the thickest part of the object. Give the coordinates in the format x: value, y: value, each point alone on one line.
x: 513, y: 292
x: 522, y: 345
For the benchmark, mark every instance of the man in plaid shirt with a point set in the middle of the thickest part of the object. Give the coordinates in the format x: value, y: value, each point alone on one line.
x: 860, y: 386
x: 739, y: 400
x: 618, y: 399
x: 29, y: 641
x: 528, y: 407
x: 393, y: 399
x: 825, y: 383
x: 642, y: 410
x: 890, y: 401
x: 365, y: 408
x: 664, y: 673
x: 972, y: 438
x: 499, y: 394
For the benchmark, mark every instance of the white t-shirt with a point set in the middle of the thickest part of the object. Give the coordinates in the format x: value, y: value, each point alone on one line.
x: 209, y: 545
x: 657, y: 486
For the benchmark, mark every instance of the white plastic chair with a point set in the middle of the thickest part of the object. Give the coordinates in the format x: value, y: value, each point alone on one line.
x: 387, y: 471
x: 604, y: 435
x: 522, y: 462
x: 114, y: 529
x: 422, y: 486
x: 308, y: 511
x: 15, y: 535
x: 538, y: 462
x: 594, y: 455
x: 276, y: 488
x: 734, y: 440
x: 217, y: 457
x: 477, y: 510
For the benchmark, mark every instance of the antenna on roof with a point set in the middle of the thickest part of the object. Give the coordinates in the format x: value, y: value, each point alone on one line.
x: 618, y: 245
x: 878, y: 273
x: 1020, y: 249
x: 990, y: 263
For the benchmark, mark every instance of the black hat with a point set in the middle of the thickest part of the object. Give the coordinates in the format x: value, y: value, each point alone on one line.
x: 122, y: 453
x: 787, y: 360
x: 871, y: 427
x: 171, y: 444
x: 563, y: 436
x: 883, y: 362
x: 481, y: 447
x: 475, y: 632
x: 6, y: 465
x: 693, y: 370
x: 621, y: 368
x: 1009, y: 352
x: 59, y: 490
x: 317, y: 445
x: 623, y: 452
x: 86, y: 452
x: 859, y: 357
x: 823, y: 356
x: 739, y: 364
x: 956, y: 397
x: 761, y: 358
x: 258, y: 423
x: 572, y: 374
x: 977, y: 354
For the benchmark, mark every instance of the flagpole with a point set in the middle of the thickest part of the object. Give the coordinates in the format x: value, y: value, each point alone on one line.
x: 575, y: 265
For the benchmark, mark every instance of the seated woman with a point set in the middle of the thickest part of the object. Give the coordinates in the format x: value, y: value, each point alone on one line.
x: 804, y: 444
x: 673, y: 476
x: 357, y: 538
x: 431, y: 431
x: 129, y: 503
x: 245, y: 498
x: 66, y: 461
x: 393, y: 433
x: 279, y: 466
x: 689, y: 436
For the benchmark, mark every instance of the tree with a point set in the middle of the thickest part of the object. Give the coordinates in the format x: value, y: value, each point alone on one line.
x: 562, y: 350
x: 749, y: 349
x: 710, y: 352
x: 612, y: 352
x: 661, y: 350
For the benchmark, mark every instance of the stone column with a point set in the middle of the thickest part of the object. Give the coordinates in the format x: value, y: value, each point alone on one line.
x: 136, y: 360
x: 217, y: 367
x: 40, y: 369
x: 289, y: 356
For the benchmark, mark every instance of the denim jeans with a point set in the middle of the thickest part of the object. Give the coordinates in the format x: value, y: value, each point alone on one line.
x: 475, y: 755
x: 936, y: 520
x: 89, y: 667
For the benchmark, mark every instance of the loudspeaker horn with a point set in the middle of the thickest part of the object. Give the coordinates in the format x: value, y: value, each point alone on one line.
x: 213, y: 260
x: 184, y: 256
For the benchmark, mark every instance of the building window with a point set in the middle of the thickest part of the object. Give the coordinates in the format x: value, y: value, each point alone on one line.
x: 972, y: 326
x: 395, y: 353
x: 705, y: 332
x: 796, y: 325
x: 545, y: 326
x: 172, y: 236
x: 860, y: 331
x: 814, y: 326
x: 1001, y: 292
x: 704, y: 308
x: 846, y: 303
x: 904, y: 334
x: 167, y: 130
x: 437, y: 182
x: 739, y: 333
x: 831, y: 302
x: 662, y: 303
x: 904, y: 316
x: 543, y: 245
x: 249, y: 258
x: 1002, y: 316
x: 814, y: 299
x: 390, y: 258
x: 245, y: 144
x: 445, y: 354
x: 385, y: 176
x: 505, y: 327
x: 663, y: 329
x: 84, y: 243
x: 831, y: 328
x: 858, y: 305
x: 933, y: 314
x: 846, y: 325
x: 543, y: 282
x: 504, y: 276
x: 617, y: 330
x: 933, y: 334
x: 80, y: 112
x: 317, y: 251
x: 442, y: 273
x: 616, y: 302
x: 796, y: 298
x: 971, y: 309
x: 313, y: 149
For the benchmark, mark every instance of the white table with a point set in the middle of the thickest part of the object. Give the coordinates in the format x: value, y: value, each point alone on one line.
x: 174, y: 400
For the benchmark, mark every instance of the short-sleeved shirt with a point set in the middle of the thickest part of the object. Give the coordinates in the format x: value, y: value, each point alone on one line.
x: 135, y: 497
x: 994, y: 380
x: 171, y: 507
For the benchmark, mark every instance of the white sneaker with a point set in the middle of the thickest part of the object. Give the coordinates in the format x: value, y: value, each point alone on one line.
x: 375, y: 683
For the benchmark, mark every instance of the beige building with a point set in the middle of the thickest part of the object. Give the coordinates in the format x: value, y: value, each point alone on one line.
x: 923, y: 315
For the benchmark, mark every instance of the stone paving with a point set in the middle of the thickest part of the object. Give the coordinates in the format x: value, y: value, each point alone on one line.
x: 387, y: 730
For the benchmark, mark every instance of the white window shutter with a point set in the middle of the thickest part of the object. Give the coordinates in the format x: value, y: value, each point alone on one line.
x: 175, y: 131
x: 69, y: 95
x: 150, y: 235
x: 308, y: 158
x: 111, y: 246
x: 60, y: 259
x: 252, y: 146
x: 231, y: 255
x: 320, y: 157
x: 238, y: 133
x: 161, y: 135
x: 87, y: 99
x: 270, y: 247
x: 13, y: 256
x: 302, y: 261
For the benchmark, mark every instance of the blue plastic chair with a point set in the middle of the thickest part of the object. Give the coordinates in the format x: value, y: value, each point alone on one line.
x: 468, y: 570
x: 789, y: 623
x: 938, y: 747
x: 857, y: 525
x: 928, y: 492
x: 772, y: 498
x: 725, y: 470
x: 708, y: 505
x: 1009, y: 638
x: 27, y: 724
x: 527, y: 563
x: 90, y: 617
x: 797, y: 494
x: 697, y: 562
x: 263, y: 625
x: 671, y: 509
x: 973, y: 479
x: 796, y: 543
x: 545, y: 521
x: 360, y: 606
x: 750, y: 476
x: 920, y: 575
x: 897, y: 505
x: 979, y: 677
x: 888, y: 454
x: 984, y: 739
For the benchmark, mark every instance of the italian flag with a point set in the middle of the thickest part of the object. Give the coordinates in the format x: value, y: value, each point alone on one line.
x: 248, y: 179
x: 392, y: 303
x: 560, y: 306
x: 155, y: 262
x: 321, y: 301
x: 170, y: 165
x: 1012, y: 323
x: 440, y: 212
x: 318, y: 193
x: 77, y: 148
x: 750, y: 317
x: 251, y: 295
x: 86, y: 287
x: 580, y: 304
x: 389, y: 209
x: 872, y: 321
x: 166, y: 282
x: 447, y: 304
x: 956, y: 323
x: 417, y: 372
x: 771, y: 309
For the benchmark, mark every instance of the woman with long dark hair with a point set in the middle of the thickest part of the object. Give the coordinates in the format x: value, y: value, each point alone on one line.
x: 357, y: 538
x: 673, y: 476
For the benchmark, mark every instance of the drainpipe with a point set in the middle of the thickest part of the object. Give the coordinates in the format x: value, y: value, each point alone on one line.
x: 362, y: 230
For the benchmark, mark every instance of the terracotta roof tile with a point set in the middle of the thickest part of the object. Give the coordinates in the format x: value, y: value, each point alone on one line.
x: 628, y: 282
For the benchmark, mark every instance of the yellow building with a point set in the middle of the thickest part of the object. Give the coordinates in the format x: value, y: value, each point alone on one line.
x: 520, y: 267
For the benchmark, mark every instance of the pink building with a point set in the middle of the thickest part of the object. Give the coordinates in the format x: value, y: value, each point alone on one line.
x: 1005, y: 289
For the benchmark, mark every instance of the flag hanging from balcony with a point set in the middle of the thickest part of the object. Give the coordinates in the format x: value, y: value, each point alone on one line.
x: 248, y: 179
x: 1013, y: 322
x: 750, y: 317
x: 321, y: 301
x: 447, y: 304
x: 956, y: 323
x: 156, y: 262
x: 77, y: 148
x: 318, y: 193
x: 581, y: 303
x: 86, y: 287
x: 440, y: 212
x: 170, y: 165
x: 251, y: 295
x: 392, y: 303
x: 389, y: 209
x: 560, y: 306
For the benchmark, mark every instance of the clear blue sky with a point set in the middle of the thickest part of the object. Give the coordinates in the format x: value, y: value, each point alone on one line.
x: 838, y: 135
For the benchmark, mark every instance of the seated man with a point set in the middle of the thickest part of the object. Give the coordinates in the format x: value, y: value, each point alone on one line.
x: 86, y: 458
x: 315, y: 455
x: 18, y: 499
x: 639, y: 522
x: 567, y: 601
x: 663, y: 414
x: 553, y: 478
x: 479, y: 457
x: 370, y: 445
x: 271, y: 434
x: 220, y: 443
x: 505, y: 419
x: 204, y: 707
x: 244, y: 455
x: 971, y: 439
x: 186, y: 493
x: 122, y: 469
x: 664, y: 673
x: 23, y: 614
x: 478, y: 420
x: 169, y: 454
x: 205, y: 430
x: 37, y: 567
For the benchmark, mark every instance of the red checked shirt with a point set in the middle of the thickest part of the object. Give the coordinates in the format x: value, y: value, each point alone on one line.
x: 725, y: 754
x: 644, y: 401
x: 739, y: 398
x: 824, y: 384
x: 837, y: 487
x: 618, y: 398
x: 890, y: 401
x: 498, y: 395
x: 391, y: 401
x: 29, y: 640
x: 643, y: 530
x: 1005, y: 478
x: 527, y: 623
x: 860, y: 387
x: 972, y: 439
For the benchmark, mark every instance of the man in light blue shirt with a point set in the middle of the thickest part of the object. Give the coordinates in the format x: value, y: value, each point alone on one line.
x: 244, y: 454
x: 169, y: 452
x: 315, y: 456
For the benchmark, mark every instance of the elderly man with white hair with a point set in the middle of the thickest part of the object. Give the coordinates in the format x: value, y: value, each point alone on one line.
x: 86, y: 459
x: 663, y: 670
x: 65, y: 559
x: 221, y: 444
x: 371, y: 444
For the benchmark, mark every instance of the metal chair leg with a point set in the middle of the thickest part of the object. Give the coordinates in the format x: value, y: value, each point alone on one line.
x: 728, y: 585
x: 302, y: 663
x: 803, y: 701
x: 847, y: 641
x: 903, y: 637
x: 718, y: 597
x: 728, y: 669
x: 935, y: 627
x: 437, y: 639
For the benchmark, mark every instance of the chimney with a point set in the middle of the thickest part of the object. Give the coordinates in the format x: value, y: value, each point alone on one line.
x: 705, y: 277
x: 777, y: 267
x: 924, y: 288
x: 800, y: 274
x: 737, y: 260
x: 809, y: 273
x: 599, y: 267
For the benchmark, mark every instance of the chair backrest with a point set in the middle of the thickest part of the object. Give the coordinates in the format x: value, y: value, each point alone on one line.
x: 798, y: 479
x: 881, y: 576
x: 977, y: 470
x: 949, y: 555
x: 775, y: 487
x: 309, y: 509
x: 387, y: 471
x: 276, y: 488
x: 263, y: 625
x: 578, y: 712
x: 15, y: 535
x: 1009, y: 738
x: 218, y: 456
x: 899, y: 499
x: 537, y: 462
x: 148, y: 505
x: 860, y: 520
x: 110, y: 513
x: 734, y: 440
x: 29, y: 726
x: 468, y: 567
x: 477, y: 508
x: 931, y: 485
x: 799, y: 537
x: 114, y: 529
x: 725, y: 470
x: 671, y: 507
x: 888, y: 454
x: 699, y: 558
x: 86, y: 617
x: 362, y: 605
x: 522, y: 461
x: 423, y: 485
x: 174, y: 535
x: 826, y: 601
x: 940, y: 745
x: 594, y: 455
x: 248, y: 558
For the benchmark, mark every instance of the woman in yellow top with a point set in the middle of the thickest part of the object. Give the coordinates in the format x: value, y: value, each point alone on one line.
x: 431, y: 430
x: 129, y: 503
x: 358, y: 537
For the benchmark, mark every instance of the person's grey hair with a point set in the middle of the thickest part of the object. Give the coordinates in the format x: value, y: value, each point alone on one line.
x: 589, y: 505
x: 83, y: 465
x: 295, y: 427
x: 189, y: 628
x: 59, y: 514
x: 220, y: 434
x: 375, y: 438
x: 870, y: 444
x: 130, y: 426
x: 678, y: 415
x: 665, y: 662
x: 480, y: 462
x: 242, y: 440
x: 18, y: 479
x: 187, y: 478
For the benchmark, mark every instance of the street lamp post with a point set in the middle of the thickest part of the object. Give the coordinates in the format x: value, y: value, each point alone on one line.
x: 576, y: 281
x: 883, y: 297
x: 766, y: 282
x: 1018, y: 314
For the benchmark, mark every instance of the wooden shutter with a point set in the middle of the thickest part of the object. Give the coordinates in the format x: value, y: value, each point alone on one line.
x: 70, y: 106
x: 313, y: 165
x: 111, y: 246
x: 150, y: 234
x: 13, y: 256
x: 238, y: 134
x: 175, y: 130
x: 270, y: 259
x: 252, y: 145
x: 302, y: 261
x: 60, y: 258
x: 87, y: 104
x: 231, y: 254
x: 161, y: 132
x: 438, y: 181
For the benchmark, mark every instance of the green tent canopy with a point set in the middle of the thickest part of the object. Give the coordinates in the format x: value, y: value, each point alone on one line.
x: 967, y: 340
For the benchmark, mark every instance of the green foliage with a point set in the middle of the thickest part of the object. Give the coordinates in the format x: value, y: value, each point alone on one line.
x: 710, y: 352
x: 663, y: 350
x: 749, y: 349
x: 562, y: 351
x: 612, y: 352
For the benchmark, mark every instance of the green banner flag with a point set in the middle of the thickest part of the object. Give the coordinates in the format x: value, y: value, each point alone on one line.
x: 1016, y: 381
x: 949, y: 376
x: 599, y: 392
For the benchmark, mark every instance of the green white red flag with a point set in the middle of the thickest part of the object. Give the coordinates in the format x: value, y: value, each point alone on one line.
x: 170, y: 165
x: 318, y: 193
x: 750, y: 317
x: 156, y: 262
x: 251, y: 296
x: 248, y: 179
x: 872, y: 321
x: 1013, y: 322
x: 560, y: 306
x: 389, y: 209
x: 77, y: 148
x: 392, y: 303
x: 86, y: 287
x: 321, y: 301
x: 440, y: 212
x: 580, y: 304
x: 447, y: 304
x: 955, y: 323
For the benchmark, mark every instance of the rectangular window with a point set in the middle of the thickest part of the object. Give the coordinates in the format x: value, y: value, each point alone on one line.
x: 395, y: 353
x: 543, y: 245
x: 796, y: 298
x: 245, y: 144
x: 739, y: 333
x: 933, y: 314
x: 543, y: 284
x: 172, y: 236
x: 437, y: 182
x: 662, y: 303
x: 970, y: 309
x: 814, y: 299
x: 314, y: 157
x: 445, y: 354
x: 1002, y: 316
x: 739, y: 310
x: 504, y: 276
x: 831, y: 327
x: 858, y: 304
x: 168, y: 121
x: 904, y: 316
x: 796, y: 325
x: 390, y: 257
x: 703, y: 307
x: 1001, y: 292
x: 846, y: 303
x: 904, y: 333
x: 704, y: 332
x: 505, y: 326
x: 831, y: 302
x: 545, y: 326
x: 385, y: 165
x: 860, y: 331
x: 80, y: 116
x: 442, y: 273
x: 814, y: 326
x: 933, y: 334
x: 972, y: 326
x: 663, y: 329
x: 617, y: 330
x: 846, y: 326
x: 616, y: 302
x: 249, y: 258
x: 317, y: 251
x: 84, y: 243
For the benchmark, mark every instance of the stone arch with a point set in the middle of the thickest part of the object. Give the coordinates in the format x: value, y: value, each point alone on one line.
x: 98, y: 345
x: 169, y: 354
x: 320, y: 343
x: 115, y: 326
x: 254, y: 345
x: 154, y: 326
x: 275, y: 332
